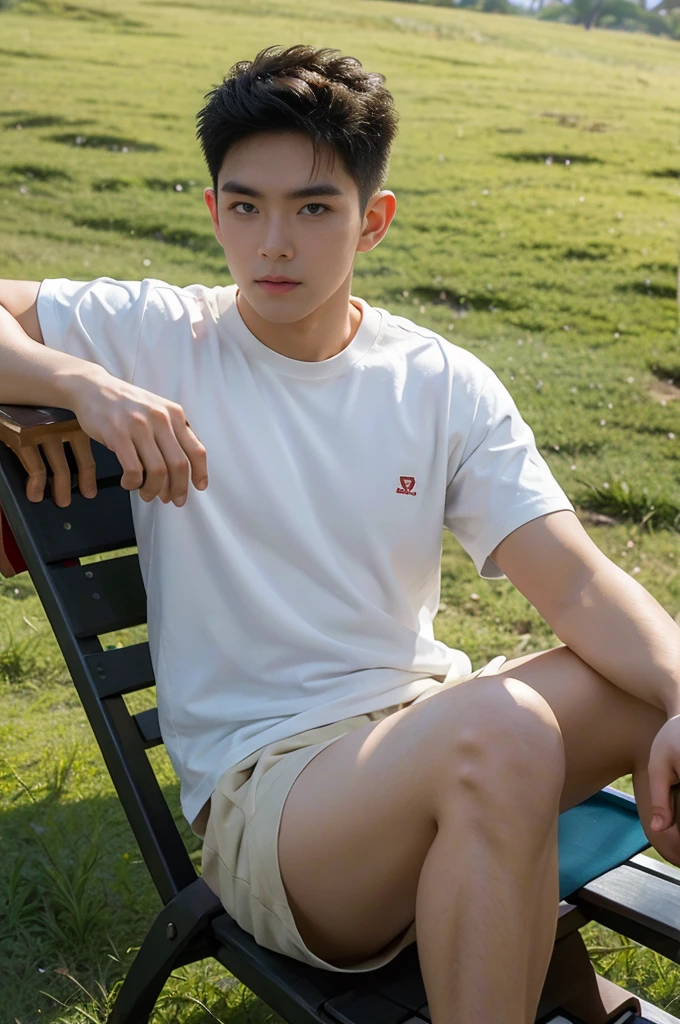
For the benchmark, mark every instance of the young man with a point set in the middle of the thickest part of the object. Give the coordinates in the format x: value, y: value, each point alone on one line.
x: 352, y: 778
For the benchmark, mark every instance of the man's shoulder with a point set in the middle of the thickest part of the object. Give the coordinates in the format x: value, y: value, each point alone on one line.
x: 214, y: 299
x: 428, y: 348
x: 126, y: 292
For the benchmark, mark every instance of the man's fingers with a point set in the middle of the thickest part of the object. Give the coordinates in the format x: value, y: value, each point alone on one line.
x: 157, y: 474
x: 32, y: 461
x: 168, y: 458
x: 176, y: 485
x: 662, y: 778
x: 196, y: 454
x: 157, y: 463
x: 87, y: 468
x: 61, y: 479
x: 158, y: 456
x: 675, y: 803
x: 134, y: 474
x: 664, y: 772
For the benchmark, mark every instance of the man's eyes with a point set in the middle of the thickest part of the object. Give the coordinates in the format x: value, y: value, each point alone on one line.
x: 319, y: 206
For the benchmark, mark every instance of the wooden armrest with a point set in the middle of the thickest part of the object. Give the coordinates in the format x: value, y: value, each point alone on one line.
x: 23, y: 426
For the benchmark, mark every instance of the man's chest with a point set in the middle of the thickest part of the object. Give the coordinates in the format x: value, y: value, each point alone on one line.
x: 344, y: 461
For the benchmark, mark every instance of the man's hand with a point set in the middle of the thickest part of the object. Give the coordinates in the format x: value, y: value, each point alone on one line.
x: 664, y: 773
x: 150, y: 436
x: 34, y: 465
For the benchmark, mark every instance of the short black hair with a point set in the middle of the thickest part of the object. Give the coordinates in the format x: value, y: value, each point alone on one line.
x: 319, y: 92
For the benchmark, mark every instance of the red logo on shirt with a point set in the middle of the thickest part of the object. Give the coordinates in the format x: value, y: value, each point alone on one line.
x: 407, y: 485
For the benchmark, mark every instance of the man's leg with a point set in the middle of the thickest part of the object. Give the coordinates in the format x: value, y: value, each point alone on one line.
x: 418, y: 817
x: 446, y: 812
x: 487, y: 899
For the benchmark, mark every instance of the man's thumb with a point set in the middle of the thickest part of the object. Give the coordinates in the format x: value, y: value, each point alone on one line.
x: 659, y: 786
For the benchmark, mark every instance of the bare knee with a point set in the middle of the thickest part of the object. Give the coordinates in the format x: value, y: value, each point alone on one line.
x: 505, y: 750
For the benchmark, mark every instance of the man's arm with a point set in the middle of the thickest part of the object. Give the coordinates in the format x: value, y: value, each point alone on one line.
x: 605, y: 616
x: 20, y: 298
x: 32, y: 374
x: 149, y: 434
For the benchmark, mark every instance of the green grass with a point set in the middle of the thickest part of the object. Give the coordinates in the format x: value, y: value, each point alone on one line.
x: 560, y: 276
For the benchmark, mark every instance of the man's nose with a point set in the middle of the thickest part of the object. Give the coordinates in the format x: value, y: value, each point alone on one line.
x: 276, y: 243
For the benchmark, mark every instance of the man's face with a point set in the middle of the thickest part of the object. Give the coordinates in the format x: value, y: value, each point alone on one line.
x: 312, y: 238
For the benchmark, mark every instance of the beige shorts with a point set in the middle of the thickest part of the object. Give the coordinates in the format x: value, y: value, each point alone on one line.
x: 240, y: 851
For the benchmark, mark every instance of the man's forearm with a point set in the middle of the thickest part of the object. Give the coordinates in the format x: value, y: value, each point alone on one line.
x: 618, y: 628
x: 32, y: 374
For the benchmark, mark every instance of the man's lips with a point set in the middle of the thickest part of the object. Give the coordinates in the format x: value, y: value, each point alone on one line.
x: 277, y: 279
x: 278, y: 287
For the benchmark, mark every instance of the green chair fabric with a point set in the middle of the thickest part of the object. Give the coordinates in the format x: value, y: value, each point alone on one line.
x: 596, y: 836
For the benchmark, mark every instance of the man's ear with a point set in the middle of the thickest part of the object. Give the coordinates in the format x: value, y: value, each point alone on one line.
x: 211, y: 203
x: 377, y: 219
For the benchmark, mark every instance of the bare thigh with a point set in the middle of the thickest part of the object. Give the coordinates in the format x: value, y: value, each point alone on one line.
x: 360, y: 818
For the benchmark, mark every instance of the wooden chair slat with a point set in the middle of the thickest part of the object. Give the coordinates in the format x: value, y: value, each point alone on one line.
x: 124, y: 670
x: 644, y: 906
x: 656, y: 867
x: 103, y: 596
x: 149, y: 727
x: 299, y: 991
x: 357, y: 1007
x: 85, y: 527
x: 401, y: 981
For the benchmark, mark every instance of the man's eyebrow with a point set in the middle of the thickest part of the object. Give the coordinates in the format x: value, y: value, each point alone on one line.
x: 318, y: 189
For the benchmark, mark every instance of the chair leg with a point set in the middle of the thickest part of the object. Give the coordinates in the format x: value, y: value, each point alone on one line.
x: 179, y: 932
x: 573, y: 984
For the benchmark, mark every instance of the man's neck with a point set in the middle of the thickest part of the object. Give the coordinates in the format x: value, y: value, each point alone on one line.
x: 320, y: 335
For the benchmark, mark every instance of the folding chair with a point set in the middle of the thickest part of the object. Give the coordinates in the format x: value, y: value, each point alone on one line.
x: 602, y: 869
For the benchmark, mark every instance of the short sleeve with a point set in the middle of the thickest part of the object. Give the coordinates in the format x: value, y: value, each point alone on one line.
x: 497, y: 478
x: 99, y: 321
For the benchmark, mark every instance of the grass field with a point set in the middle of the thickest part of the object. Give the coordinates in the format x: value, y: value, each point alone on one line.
x: 537, y: 172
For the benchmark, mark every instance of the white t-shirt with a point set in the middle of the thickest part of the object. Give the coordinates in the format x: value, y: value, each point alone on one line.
x: 300, y: 587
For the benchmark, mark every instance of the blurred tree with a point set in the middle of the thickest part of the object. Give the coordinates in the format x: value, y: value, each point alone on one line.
x: 489, y: 6
x: 630, y: 15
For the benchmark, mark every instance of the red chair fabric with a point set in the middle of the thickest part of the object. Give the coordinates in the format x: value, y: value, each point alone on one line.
x: 11, y: 560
